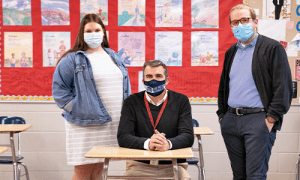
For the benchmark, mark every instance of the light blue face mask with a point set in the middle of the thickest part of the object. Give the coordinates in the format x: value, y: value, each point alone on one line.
x: 243, y: 32
x: 94, y: 39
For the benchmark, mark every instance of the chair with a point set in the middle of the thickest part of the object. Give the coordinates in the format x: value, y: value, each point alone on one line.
x: 9, y: 159
x: 194, y: 161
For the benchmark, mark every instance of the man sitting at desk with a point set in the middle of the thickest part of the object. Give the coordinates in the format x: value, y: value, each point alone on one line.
x: 157, y: 120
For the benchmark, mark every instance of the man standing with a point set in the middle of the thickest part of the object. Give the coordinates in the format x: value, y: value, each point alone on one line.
x: 157, y: 120
x: 255, y: 91
x: 278, y: 5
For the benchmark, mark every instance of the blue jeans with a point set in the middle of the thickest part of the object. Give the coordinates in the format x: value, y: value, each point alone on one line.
x: 249, y: 144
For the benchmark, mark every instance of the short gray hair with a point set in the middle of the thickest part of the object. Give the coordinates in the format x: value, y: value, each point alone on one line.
x: 155, y: 63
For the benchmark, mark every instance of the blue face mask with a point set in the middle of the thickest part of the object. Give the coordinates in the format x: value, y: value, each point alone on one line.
x: 243, y: 32
x: 93, y: 40
x: 154, y: 87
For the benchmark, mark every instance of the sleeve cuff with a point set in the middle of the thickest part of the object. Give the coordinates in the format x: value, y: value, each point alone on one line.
x: 170, y: 143
x: 146, y: 144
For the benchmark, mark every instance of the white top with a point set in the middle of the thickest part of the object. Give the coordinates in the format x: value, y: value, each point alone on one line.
x: 109, y: 82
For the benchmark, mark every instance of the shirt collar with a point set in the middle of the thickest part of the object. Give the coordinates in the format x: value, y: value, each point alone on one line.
x: 252, y: 44
x: 160, y: 102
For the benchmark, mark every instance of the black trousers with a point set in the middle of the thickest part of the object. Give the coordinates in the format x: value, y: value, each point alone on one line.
x: 249, y: 144
x: 277, y: 12
x: 278, y: 7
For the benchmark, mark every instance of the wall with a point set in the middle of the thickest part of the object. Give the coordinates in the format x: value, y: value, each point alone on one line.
x: 43, y: 145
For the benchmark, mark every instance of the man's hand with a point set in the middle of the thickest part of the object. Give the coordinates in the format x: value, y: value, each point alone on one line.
x: 158, y: 142
x: 270, y: 122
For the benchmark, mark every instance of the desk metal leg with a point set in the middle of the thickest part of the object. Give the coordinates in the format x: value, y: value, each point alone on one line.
x: 105, y: 169
x: 175, y: 168
x: 15, y: 165
x: 202, y: 171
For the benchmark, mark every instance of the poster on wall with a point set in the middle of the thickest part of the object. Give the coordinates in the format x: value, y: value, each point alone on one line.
x: 168, y: 47
x: 276, y: 9
x: 168, y: 13
x: 140, y: 82
x: 131, y: 12
x: 294, y: 45
x: 55, y: 12
x: 99, y: 7
x: 18, y: 49
x: 131, y: 48
x: 297, y: 69
x: 16, y: 12
x: 55, y: 44
x: 205, y: 48
x: 205, y: 14
x: 294, y: 94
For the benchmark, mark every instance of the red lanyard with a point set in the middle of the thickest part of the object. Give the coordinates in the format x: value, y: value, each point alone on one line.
x: 150, y: 114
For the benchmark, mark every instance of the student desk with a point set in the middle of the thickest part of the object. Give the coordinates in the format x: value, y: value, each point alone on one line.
x: 119, y: 153
x: 198, y: 131
x: 11, y: 128
x: 3, y: 149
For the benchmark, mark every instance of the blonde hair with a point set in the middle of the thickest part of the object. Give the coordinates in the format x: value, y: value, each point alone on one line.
x: 243, y: 6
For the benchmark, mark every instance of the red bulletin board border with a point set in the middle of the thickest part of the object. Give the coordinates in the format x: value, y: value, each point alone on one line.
x: 199, y: 83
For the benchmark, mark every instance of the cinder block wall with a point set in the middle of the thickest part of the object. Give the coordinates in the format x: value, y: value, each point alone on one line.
x: 43, y: 145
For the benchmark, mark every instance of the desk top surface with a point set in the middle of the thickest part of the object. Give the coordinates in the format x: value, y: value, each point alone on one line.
x: 126, y: 153
x: 3, y: 149
x: 202, y: 131
x: 14, y: 127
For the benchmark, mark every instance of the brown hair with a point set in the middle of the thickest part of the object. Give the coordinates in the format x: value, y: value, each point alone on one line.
x: 155, y: 63
x: 243, y: 6
x: 79, y: 43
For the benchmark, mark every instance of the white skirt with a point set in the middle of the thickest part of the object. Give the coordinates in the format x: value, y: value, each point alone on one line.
x: 79, y: 140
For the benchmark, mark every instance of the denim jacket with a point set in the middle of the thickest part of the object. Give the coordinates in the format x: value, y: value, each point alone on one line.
x: 74, y: 89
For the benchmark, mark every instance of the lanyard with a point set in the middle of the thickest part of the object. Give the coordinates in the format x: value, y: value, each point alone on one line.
x: 150, y: 114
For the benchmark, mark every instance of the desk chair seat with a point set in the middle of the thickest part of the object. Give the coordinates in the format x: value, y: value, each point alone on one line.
x: 192, y: 161
x: 9, y: 159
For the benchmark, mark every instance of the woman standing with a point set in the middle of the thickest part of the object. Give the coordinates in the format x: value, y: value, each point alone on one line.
x: 90, y: 83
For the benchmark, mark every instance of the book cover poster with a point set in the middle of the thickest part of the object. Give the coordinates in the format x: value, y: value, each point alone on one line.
x: 168, y: 13
x: 277, y: 9
x: 205, y: 14
x: 294, y: 94
x: 205, y: 48
x: 168, y: 48
x: 55, y: 12
x: 131, y: 12
x: 297, y: 69
x: 131, y: 48
x: 55, y: 44
x: 16, y: 12
x: 99, y: 7
x: 18, y: 49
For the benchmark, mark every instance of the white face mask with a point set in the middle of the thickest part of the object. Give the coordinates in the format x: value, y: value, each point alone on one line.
x: 94, y: 39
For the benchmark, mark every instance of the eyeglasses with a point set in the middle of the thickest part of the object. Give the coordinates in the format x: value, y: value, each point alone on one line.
x: 236, y: 23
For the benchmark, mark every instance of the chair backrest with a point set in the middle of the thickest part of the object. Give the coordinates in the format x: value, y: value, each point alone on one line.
x: 1, y: 119
x: 195, y: 123
x: 13, y: 120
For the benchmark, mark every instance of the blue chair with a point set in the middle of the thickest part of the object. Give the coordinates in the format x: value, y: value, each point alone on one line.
x: 9, y: 160
x: 195, y: 161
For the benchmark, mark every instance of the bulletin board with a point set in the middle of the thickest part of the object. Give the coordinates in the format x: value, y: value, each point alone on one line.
x: 292, y: 29
x: 32, y: 80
